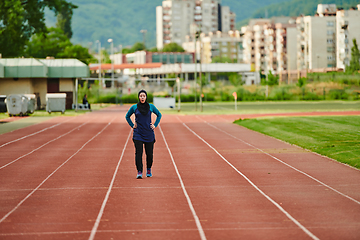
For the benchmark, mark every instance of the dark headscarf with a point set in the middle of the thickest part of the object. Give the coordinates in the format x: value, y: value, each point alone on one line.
x: 143, y: 107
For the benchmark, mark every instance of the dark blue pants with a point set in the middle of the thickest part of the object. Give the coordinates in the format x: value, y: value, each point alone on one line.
x: 149, y: 149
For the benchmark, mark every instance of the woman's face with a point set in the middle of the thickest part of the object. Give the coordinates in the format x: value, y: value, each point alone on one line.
x: 142, y: 97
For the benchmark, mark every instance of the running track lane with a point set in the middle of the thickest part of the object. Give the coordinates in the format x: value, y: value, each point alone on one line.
x: 68, y: 203
x: 321, y: 194
x: 69, y: 208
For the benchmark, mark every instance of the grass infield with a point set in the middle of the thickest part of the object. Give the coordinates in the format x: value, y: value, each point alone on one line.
x: 263, y: 107
x: 337, y: 137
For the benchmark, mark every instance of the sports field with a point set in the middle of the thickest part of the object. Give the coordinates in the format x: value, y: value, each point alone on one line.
x: 74, y: 178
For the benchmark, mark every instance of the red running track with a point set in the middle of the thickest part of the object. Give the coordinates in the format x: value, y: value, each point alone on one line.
x: 74, y: 178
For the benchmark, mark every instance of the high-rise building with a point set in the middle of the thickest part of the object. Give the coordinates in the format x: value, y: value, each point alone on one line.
x: 175, y: 18
x: 286, y: 46
x: 260, y: 43
x: 222, y: 45
x: 317, y: 39
x: 252, y: 51
x: 347, y: 29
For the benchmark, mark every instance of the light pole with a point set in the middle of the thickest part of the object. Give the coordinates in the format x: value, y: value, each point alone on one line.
x: 112, y: 61
x: 99, y: 43
x: 144, y: 31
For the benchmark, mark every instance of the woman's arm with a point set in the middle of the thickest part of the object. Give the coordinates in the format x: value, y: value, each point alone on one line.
x: 128, y: 115
x: 157, y: 113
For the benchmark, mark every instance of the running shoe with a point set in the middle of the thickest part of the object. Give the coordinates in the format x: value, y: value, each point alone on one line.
x: 139, y: 175
x: 148, y: 173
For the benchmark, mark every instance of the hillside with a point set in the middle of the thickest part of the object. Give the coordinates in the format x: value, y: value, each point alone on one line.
x: 298, y: 7
x: 122, y: 20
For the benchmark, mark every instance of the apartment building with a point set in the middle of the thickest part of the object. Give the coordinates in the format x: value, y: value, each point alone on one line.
x: 251, y: 52
x: 286, y: 55
x: 260, y: 43
x: 316, y: 42
x: 347, y: 29
x: 223, y: 45
x: 174, y: 18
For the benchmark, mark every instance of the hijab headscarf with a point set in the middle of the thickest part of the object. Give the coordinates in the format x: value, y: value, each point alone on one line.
x: 143, y: 107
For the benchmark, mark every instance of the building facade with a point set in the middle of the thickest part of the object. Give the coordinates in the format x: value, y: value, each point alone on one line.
x: 347, y: 29
x: 219, y: 46
x: 175, y: 18
x: 316, y: 44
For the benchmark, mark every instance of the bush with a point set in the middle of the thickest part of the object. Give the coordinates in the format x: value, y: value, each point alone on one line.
x: 187, y: 98
x: 280, y: 93
x: 245, y: 95
x: 338, y: 94
x: 311, y: 96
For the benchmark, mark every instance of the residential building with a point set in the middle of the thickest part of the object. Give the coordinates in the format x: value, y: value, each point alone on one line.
x: 175, y: 18
x: 260, y: 43
x: 219, y: 45
x: 317, y: 39
x: 347, y: 29
x: 250, y: 50
x: 286, y: 54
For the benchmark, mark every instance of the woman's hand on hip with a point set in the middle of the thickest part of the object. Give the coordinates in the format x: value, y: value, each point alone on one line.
x: 135, y: 125
x: 152, y: 126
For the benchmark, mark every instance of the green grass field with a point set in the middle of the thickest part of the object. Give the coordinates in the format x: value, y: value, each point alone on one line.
x: 265, y: 107
x: 337, y: 137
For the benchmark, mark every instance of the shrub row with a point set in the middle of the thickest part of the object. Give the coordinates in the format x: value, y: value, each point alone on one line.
x: 276, y: 94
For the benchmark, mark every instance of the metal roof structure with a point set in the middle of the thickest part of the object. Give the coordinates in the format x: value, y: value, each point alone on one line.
x: 23, y: 68
x: 66, y: 68
x: 107, y: 66
x: 42, y: 68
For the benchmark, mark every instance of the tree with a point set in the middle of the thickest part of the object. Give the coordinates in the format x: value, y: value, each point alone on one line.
x: 355, y: 58
x: 20, y: 19
x: 50, y: 44
x: 139, y: 46
x: 55, y: 44
x: 219, y: 59
x: 271, y: 79
x: 64, y: 20
x: 172, y: 47
x: 154, y: 49
x: 78, y: 52
x: 236, y: 79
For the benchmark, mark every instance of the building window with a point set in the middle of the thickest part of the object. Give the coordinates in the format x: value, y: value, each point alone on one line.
x: 330, y: 23
x: 329, y: 40
x: 330, y: 32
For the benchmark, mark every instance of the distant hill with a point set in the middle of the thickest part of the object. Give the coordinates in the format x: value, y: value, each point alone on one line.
x: 298, y: 7
x: 122, y: 20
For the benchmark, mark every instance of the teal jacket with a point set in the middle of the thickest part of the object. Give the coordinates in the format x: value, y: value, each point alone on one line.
x: 143, y: 131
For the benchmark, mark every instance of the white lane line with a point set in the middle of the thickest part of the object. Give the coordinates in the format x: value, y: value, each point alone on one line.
x: 197, y: 221
x: 35, y: 189
x: 43, y: 145
x: 149, y: 230
x: 277, y: 159
x: 97, y: 222
x: 256, y: 187
x: 32, y: 134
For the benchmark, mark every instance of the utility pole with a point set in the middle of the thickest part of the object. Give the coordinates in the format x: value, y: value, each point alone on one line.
x: 195, y: 57
x: 112, y: 61
x: 99, y: 43
x: 144, y: 31
x: 201, y: 105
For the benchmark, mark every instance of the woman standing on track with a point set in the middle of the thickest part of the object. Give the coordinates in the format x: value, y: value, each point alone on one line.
x: 143, y: 133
